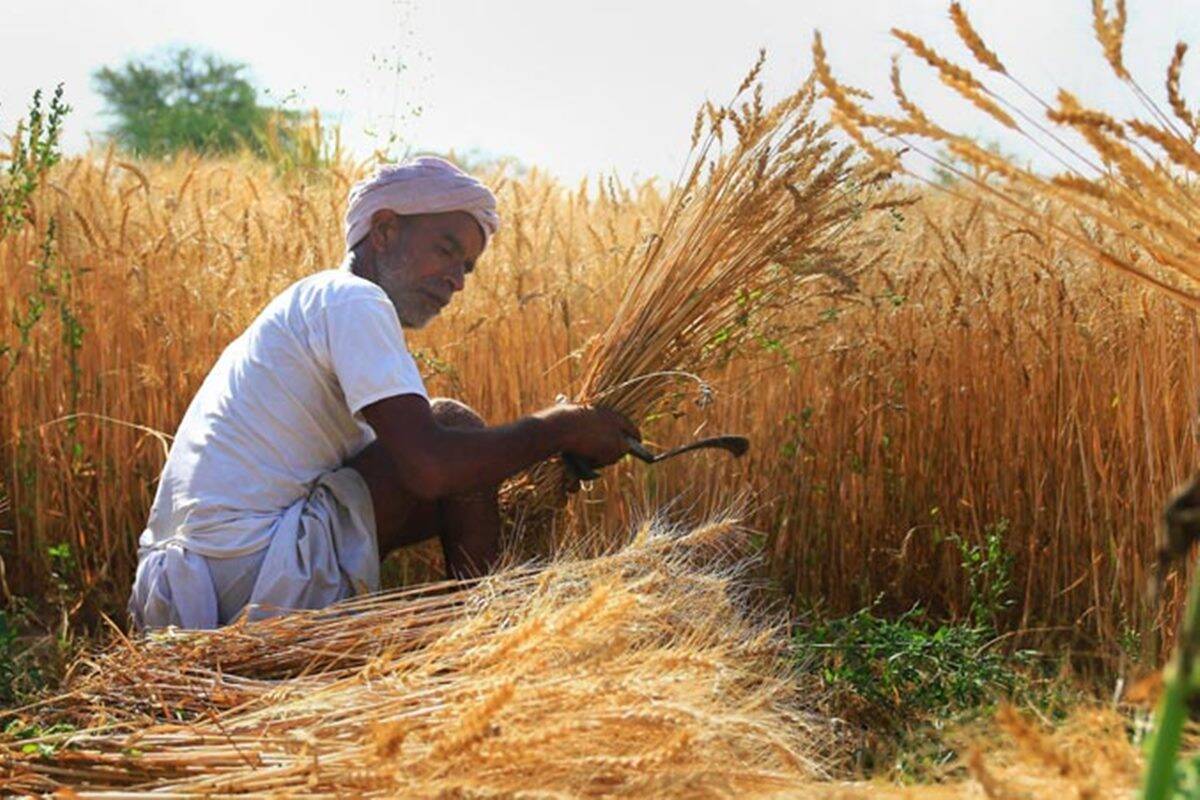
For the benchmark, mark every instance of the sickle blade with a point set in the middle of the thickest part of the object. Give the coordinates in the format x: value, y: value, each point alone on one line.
x: 735, y: 445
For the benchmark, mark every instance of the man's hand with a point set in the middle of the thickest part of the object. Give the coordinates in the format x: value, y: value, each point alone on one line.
x: 596, y: 434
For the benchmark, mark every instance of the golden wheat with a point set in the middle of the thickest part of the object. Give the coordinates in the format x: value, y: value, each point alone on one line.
x: 654, y: 673
x: 882, y: 406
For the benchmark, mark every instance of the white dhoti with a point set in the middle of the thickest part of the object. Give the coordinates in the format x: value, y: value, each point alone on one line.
x: 322, y: 550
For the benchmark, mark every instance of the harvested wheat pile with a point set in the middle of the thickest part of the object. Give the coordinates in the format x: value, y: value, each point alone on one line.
x: 643, y: 672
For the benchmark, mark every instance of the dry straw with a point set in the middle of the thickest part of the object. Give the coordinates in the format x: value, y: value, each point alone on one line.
x: 647, y: 671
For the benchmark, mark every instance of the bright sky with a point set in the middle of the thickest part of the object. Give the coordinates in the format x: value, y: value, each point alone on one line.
x: 575, y: 87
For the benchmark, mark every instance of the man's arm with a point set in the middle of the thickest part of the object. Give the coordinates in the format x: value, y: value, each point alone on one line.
x: 433, y: 461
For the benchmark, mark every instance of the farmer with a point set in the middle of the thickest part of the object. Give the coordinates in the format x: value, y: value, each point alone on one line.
x: 312, y: 449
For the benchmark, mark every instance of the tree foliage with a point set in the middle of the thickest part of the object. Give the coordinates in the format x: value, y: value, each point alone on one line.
x: 183, y: 100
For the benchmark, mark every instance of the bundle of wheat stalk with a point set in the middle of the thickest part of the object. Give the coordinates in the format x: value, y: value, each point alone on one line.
x: 757, y: 224
x: 1129, y: 186
x: 646, y: 671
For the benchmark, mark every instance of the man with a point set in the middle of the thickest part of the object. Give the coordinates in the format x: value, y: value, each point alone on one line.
x: 312, y: 450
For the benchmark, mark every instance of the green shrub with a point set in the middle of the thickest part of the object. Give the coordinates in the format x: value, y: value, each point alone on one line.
x: 909, y: 665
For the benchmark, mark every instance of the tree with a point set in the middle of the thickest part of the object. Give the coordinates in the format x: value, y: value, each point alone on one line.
x: 183, y: 100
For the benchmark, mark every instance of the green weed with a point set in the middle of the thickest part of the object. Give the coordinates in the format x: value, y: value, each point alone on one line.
x: 910, y: 677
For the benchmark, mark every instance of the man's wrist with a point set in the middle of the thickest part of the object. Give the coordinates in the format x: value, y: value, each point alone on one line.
x: 550, y: 432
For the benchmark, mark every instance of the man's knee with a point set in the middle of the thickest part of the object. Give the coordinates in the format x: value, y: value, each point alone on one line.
x: 455, y: 414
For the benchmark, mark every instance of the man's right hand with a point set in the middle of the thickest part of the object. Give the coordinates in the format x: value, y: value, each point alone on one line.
x: 596, y: 434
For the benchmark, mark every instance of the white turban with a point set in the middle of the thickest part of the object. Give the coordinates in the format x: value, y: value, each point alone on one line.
x: 427, y: 185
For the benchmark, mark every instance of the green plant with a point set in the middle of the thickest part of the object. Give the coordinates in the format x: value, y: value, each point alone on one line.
x: 53, y: 280
x: 1166, y: 775
x: 34, y: 656
x: 914, y: 677
x: 34, y: 152
x: 20, y: 729
x: 909, y: 666
x: 62, y: 565
x: 9, y: 671
x: 1186, y: 779
x: 987, y: 566
x: 21, y: 674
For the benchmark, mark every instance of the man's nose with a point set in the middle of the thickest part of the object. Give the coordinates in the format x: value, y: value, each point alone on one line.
x: 457, y: 277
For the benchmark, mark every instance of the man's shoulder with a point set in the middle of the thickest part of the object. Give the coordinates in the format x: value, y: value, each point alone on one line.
x: 333, y: 286
x: 305, y: 305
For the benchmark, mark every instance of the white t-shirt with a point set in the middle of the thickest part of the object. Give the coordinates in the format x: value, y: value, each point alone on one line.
x: 280, y: 407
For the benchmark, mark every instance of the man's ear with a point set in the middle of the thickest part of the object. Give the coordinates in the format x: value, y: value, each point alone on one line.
x: 382, y: 223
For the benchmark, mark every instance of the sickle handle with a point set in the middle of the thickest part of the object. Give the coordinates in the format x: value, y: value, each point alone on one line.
x: 579, y: 467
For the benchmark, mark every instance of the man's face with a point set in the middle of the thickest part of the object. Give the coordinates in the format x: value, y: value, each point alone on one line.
x: 423, y: 259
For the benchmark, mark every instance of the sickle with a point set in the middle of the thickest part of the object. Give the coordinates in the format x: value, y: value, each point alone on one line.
x: 735, y: 445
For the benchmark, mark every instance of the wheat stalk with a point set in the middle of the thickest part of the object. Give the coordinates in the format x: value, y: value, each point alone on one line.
x: 754, y: 221
x: 973, y: 41
x: 1135, y: 194
x: 1174, y: 95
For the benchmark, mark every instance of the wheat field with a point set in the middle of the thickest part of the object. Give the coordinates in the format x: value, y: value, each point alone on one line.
x: 1000, y: 359
x: 974, y: 378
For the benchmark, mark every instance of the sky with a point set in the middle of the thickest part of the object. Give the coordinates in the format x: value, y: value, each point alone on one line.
x: 578, y: 88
